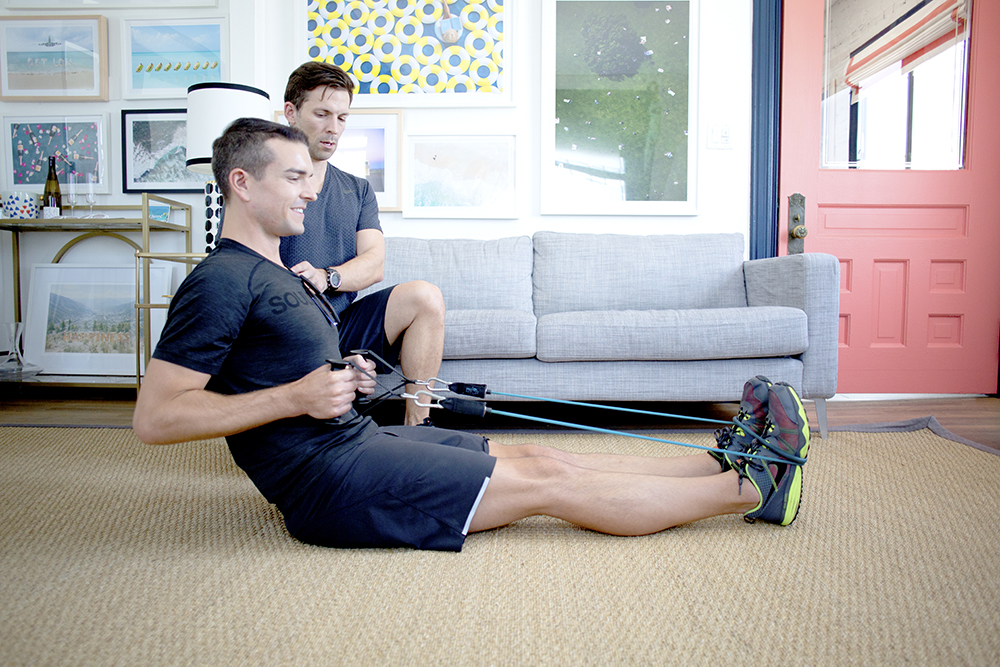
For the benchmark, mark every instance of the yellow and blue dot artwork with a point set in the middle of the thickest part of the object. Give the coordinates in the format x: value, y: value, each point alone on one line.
x: 411, y: 46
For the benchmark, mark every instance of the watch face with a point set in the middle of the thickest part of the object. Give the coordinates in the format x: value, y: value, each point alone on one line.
x: 333, y: 278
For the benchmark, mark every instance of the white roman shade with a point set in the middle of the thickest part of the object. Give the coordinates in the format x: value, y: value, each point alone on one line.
x: 921, y: 33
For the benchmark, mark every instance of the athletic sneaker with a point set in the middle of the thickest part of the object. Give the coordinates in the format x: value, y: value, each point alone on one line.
x: 752, y: 415
x: 787, y: 430
x: 786, y: 435
x: 779, y: 486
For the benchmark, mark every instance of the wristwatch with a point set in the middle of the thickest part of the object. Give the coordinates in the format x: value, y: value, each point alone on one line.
x: 333, y: 278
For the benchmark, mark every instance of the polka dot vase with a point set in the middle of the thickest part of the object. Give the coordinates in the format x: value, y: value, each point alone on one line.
x: 213, y: 215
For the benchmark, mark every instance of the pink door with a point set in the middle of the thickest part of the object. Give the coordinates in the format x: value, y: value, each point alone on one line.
x: 919, y: 250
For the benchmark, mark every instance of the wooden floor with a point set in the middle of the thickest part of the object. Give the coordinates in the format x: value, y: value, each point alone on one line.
x: 973, y: 418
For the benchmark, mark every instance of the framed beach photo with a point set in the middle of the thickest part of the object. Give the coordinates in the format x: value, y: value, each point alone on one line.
x: 91, y: 4
x: 409, y: 53
x: 371, y: 148
x: 154, y: 152
x: 459, y: 177
x: 163, y: 57
x: 619, y: 98
x: 82, y: 319
x: 77, y: 142
x: 54, y: 58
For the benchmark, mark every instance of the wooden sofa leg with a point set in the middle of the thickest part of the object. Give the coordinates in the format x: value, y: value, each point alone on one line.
x: 821, y: 414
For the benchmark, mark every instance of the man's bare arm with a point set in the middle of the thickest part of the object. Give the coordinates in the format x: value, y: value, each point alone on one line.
x: 174, y: 406
x: 366, y: 269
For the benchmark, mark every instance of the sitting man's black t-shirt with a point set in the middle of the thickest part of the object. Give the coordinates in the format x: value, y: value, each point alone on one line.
x: 250, y: 324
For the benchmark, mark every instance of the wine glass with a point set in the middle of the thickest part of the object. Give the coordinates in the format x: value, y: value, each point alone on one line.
x: 71, y: 197
x: 91, y: 197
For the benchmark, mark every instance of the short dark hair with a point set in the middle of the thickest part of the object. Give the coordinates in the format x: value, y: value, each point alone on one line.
x: 315, y: 74
x: 243, y: 146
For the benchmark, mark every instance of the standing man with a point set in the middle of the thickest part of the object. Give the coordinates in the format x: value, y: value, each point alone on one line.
x: 343, y: 251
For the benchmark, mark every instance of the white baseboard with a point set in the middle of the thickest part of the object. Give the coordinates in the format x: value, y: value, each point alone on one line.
x: 898, y: 397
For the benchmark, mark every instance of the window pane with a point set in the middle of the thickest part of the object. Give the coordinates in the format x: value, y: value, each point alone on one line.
x: 895, y: 85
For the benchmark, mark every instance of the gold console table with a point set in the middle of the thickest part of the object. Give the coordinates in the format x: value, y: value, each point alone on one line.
x: 112, y: 227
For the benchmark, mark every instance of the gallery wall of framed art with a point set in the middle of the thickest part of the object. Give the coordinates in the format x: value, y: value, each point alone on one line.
x: 512, y: 75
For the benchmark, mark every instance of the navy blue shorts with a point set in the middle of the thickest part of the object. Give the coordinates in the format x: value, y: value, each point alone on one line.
x: 407, y: 486
x: 362, y: 327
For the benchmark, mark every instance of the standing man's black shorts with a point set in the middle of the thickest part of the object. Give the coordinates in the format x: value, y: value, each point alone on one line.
x: 362, y: 327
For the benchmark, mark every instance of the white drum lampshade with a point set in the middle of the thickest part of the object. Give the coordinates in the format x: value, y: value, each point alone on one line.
x: 211, y: 107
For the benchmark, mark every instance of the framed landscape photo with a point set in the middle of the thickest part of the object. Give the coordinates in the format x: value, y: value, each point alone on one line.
x: 163, y: 57
x: 450, y: 176
x: 619, y: 98
x: 154, y: 152
x: 82, y: 319
x: 416, y: 53
x: 77, y: 142
x: 53, y: 58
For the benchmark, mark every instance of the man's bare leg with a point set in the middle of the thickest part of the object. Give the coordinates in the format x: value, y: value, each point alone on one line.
x: 415, y: 311
x: 697, y: 465
x: 609, y: 502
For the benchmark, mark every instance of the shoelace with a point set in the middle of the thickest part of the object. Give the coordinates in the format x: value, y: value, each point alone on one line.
x: 741, y: 417
x: 724, y: 437
x: 743, y: 464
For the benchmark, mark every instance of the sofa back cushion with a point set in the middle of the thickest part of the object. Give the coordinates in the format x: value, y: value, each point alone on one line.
x: 578, y: 272
x: 472, y: 274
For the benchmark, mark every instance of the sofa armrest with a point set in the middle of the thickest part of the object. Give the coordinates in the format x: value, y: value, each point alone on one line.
x: 811, y: 282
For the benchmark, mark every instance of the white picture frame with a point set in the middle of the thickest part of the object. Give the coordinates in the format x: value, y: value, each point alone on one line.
x: 460, y: 176
x: 82, y: 319
x: 162, y: 57
x: 77, y: 141
x: 94, y: 4
x: 603, y: 64
x: 328, y: 35
x: 371, y: 148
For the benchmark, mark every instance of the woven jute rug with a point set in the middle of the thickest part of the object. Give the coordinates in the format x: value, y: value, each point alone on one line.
x: 117, y: 553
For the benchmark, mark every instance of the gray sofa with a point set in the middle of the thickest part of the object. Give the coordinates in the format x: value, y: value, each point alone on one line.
x: 604, y: 317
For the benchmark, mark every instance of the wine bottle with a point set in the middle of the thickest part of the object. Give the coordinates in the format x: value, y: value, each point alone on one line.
x: 51, y: 197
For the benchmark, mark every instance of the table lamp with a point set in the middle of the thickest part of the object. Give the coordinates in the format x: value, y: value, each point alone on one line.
x: 211, y: 107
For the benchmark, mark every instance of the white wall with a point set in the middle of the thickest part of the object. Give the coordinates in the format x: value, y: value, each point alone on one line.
x: 264, y: 41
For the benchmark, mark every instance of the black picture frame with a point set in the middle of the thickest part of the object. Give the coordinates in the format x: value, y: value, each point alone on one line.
x: 154, y: 153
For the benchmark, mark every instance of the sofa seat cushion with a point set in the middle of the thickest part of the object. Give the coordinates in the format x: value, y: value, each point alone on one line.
x: 672, y: 335
x: 489, y: 334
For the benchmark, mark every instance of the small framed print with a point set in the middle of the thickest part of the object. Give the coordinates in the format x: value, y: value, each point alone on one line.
x: 77, y: 142
x: 54, y: 58
x: 370, y: 148
x: 154, y: 152
x: 163, y: 57
x: 453, y: 176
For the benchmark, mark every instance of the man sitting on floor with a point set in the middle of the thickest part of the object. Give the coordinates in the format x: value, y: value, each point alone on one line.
x: 244, y: 355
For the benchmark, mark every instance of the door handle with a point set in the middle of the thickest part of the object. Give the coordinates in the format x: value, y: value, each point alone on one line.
x: 796, y: 224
